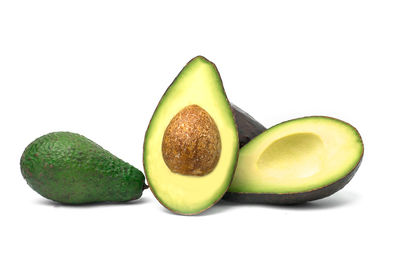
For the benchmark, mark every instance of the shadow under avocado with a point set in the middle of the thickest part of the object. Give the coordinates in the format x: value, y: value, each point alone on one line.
x: 94, y: 204
x: 220, y: 207
x: 336, y: 201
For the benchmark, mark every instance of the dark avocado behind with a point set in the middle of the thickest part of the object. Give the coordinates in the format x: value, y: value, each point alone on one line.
x: 69, y: 168
x: 248, y: 127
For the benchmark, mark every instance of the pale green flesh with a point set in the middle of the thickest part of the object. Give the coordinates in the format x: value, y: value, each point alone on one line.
x: 297, y: 156
x: 198, y: 83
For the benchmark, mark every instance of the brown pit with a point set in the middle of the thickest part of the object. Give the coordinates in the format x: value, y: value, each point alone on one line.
x: 191, y: 143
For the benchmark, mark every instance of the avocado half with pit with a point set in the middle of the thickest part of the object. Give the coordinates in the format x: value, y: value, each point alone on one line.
x: 191, y: 144
x: 296, y: 161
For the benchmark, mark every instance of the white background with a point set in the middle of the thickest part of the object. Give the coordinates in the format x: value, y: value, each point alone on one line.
x: 100, y: 67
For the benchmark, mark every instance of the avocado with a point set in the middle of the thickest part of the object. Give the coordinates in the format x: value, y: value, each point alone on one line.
x: 248, y: 127
x: 71, y: 169
x: 191, y: 144
x: 296, y: 161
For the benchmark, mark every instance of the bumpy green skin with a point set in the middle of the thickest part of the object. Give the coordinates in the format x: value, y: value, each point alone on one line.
x: 69, y: 168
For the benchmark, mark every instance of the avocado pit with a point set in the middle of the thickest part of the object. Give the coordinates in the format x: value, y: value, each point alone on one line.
x: 191, y: 144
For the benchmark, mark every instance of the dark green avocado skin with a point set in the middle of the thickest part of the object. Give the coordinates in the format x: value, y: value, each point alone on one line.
x: 71, y: 169
x: 292, y: 198
x: 248, y: 127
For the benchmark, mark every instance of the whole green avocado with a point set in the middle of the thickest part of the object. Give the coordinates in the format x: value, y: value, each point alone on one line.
x: 69, y: 168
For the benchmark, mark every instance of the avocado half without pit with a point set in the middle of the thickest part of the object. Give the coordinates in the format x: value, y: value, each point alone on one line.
x: 191, y: 144
x: 296, y: 161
